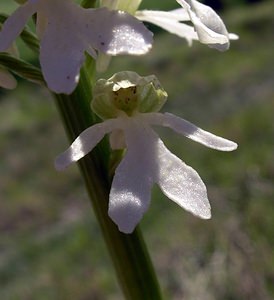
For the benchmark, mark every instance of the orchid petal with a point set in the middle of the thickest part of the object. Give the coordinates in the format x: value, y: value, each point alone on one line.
x: 61, y: 58
x: 63, y: 43
x: 60, y: 66
x: 209, y: 26
x: 191, y: 131
x: 197, y: 134
x: 181, y: 183
x: 178, y: 15
x: 84, y: 143
x: 131, y: 187
x: 170, y: 22
x: 14, y: 25
x: 128, y: 35
x: 233, y: 36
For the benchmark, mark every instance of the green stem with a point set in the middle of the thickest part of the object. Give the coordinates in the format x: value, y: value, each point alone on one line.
x: 128, y: 252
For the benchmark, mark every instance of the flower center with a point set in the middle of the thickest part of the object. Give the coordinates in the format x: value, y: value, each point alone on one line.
x: 126, y: 99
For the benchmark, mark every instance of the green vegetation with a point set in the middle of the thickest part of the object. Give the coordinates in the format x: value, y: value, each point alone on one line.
x: 51, y: 247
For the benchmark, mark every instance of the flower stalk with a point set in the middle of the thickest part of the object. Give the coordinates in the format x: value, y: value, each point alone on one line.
x: 128, y: 252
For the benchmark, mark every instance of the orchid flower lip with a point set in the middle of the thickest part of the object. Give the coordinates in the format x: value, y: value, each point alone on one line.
x: 148, y: 161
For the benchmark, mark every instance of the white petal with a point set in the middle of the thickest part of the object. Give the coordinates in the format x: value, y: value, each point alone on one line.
x: 7, y: 81
x: 14, y: 25
x: 209, y: 26
x: 41, y: 24
x: 116, y: 32
x: 174, y: 15
x: 169, y: 22
x: 61, y: 59
x: 84, y: 143
x: 72, y: 30
x: 131, y: 188
x: 117, y: 140
x: 191, y: 131
x: 62, y: 45
x: 180, y: 14
x: 233, y: 36
x: 181, y: 183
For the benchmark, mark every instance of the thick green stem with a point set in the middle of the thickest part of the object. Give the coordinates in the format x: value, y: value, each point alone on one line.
x: 128, y: 252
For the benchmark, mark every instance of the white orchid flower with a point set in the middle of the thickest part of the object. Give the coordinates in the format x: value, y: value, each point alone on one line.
x: 67, y: 30
x: 208, y: 26
x: 129, y: 103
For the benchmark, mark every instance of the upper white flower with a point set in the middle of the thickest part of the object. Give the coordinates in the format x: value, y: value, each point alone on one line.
x: 67, y: 30
x: 208, y: 26
x: 131, y: 102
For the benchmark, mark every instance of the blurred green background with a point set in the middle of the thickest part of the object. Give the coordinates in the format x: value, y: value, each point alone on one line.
x: 50, y: 243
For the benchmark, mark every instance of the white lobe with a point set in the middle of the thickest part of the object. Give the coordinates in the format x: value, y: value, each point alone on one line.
x: 191, y: 131
x: 84, y: 143
x: 181, y: 183
x: 14, y: 25
x: 131, y: 187
x: 120, y: 33
x: 170, y: 21
x: 209, y: 26
x: 175, y: 15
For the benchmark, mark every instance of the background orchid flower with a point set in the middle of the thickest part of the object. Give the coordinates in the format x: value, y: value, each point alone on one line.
x: 67, y: 30
x: 208, y: 26
x: 129, y: 105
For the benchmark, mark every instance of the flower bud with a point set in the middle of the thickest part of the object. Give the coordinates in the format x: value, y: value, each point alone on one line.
x: 127, y: 92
